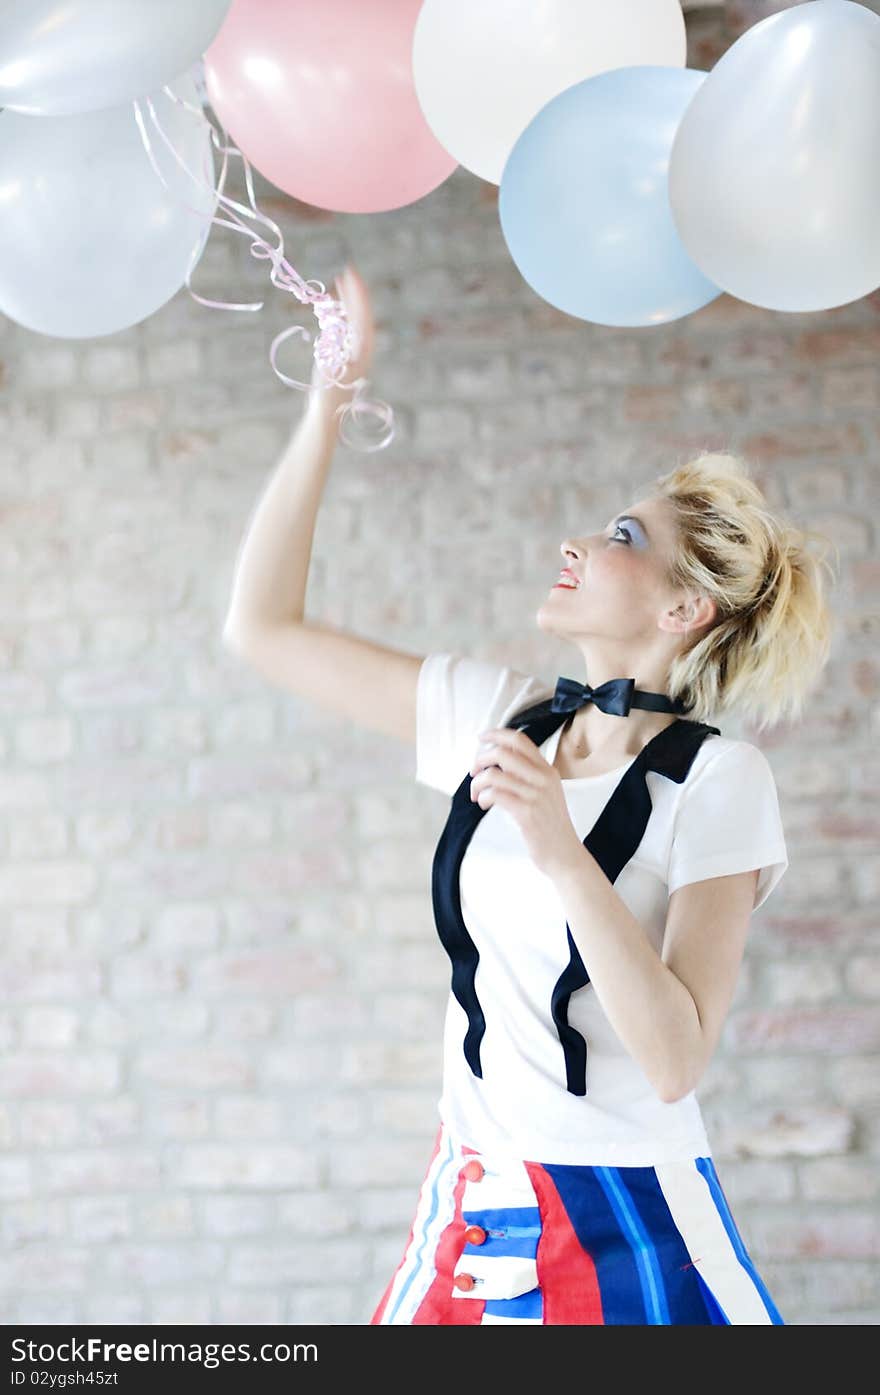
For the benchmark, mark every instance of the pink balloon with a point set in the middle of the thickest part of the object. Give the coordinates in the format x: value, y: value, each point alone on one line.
x: 320, y: 99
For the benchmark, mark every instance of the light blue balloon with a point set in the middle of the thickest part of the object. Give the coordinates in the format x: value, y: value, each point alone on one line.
x: 584, y: 205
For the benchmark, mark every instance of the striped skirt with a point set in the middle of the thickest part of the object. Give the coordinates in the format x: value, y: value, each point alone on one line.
x: 527, y: 1242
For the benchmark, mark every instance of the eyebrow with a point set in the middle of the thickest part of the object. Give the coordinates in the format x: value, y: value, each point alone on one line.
x: 632, y: 518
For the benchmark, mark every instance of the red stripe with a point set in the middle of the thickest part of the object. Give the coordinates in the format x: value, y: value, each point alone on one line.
x: 439, y: 1307
x: 383, y: 1301
x: 566, y: 1274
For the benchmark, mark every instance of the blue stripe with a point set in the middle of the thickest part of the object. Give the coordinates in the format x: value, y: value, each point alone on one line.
x: 518, y: 1239
x: 646, y: 1260
x: 687, y: 1296
x: 435, y: 1206
x: 706, y: 1167
x: 597, y: 1227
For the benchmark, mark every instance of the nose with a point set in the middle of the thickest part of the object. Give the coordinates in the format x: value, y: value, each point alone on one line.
x: 569, y: 549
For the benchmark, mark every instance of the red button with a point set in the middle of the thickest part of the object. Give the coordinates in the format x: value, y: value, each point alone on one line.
x: 464, y: 1281
x: 475, y: 1235
x: 473, y: 1170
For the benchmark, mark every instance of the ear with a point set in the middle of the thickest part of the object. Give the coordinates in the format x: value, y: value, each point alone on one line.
x: 695, y: 612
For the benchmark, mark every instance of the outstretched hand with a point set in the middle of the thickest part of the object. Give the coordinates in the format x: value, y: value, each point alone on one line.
x: 355, y: 298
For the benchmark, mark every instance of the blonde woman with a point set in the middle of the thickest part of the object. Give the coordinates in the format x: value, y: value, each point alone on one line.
x: 604, y: 848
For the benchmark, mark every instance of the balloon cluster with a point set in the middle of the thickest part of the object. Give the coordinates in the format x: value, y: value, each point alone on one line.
x: 103, y: 223
x: 632, y: 189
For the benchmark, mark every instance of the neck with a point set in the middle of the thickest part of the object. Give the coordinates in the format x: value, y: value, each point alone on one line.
x: 590, y: 730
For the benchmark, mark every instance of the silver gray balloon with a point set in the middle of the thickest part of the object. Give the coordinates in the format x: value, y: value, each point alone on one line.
x: 773, y: 174
x: 91, y: 241
x: 63, y: 56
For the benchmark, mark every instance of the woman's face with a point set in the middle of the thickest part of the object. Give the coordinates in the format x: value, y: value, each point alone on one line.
x: 621, y: 572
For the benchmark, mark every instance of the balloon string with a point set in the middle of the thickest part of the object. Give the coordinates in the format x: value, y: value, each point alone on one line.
x: 337, y: 341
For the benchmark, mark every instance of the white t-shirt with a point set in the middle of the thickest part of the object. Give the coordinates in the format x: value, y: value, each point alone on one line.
x: 723, y: 818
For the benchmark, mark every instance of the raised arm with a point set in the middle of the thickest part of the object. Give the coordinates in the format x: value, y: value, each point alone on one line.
x: 265, y: 623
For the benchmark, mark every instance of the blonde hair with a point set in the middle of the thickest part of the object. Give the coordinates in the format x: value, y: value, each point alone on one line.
x: 771, y: 637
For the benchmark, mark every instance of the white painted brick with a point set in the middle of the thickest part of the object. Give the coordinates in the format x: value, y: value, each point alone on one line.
x: 33, y: 1218
x: 325, y: 1304
x: 235, y: 1215
x: 863, y: 975
x: 76, y: 416
x: 117, y: 1118
x: 806, y: 982
x: 196, y: 1067
x: 27, y: 1073
x: 177, y: 729
x: 48, y: 1123
x: 21, y: 692
x: 38, y: 835
x: 855, y: 1080
x: 393, y: 1162
x: 402, y: 1112
x: 46, y: 1025
x: 100, y: 833
x: 242, y: 1021
x: 186, y: 1308
x: 319, y: 1014
x: 263, y: 1165
x: 781, y: 1078
x: 249, y: 1309
x: 838, y: 1179
x: 236, y: 822
x: 19, y: 790
x: 109, y: 367
x: 329, y: 1259
x: 51, y: 881
x: 245, y: 1117
x: 799, y: 1130
x: 34, y: 1309
x: 163, y: 1263
x: 103, y: 1305
x: 317, y: 1213
x: 336, y: 1116
x: 185, y: 1118
x: 15, y: 1178
x: 100, y: 1169
x: 95, y: 1218
x: 168, y: 363
x: 118, y: 636
x: 142, y: 974
x: 748, y: 1180
x: 44, y: 740
x: 388, y: 1208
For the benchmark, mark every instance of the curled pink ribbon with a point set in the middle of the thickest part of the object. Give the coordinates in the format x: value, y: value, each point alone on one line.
x: 337, y: 341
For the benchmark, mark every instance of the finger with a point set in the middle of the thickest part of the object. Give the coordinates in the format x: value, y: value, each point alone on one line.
x: 496, y: 788
x: 514, y: 757
x: 486, y: 755
x: 482, y: 779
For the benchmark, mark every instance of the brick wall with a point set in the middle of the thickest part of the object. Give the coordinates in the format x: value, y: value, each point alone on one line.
x: 222, y: 991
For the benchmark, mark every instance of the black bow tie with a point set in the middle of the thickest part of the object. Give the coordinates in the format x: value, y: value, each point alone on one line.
x: 616, y: 696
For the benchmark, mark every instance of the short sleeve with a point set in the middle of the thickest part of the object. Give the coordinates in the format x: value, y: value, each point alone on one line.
x: 456, y: 698
x: 729, y: 821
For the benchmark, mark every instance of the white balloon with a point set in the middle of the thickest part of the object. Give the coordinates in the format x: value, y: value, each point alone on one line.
x: 63, y: 56
x: 91, y: 241
x: 484, y: 69
x: 773, y: 172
